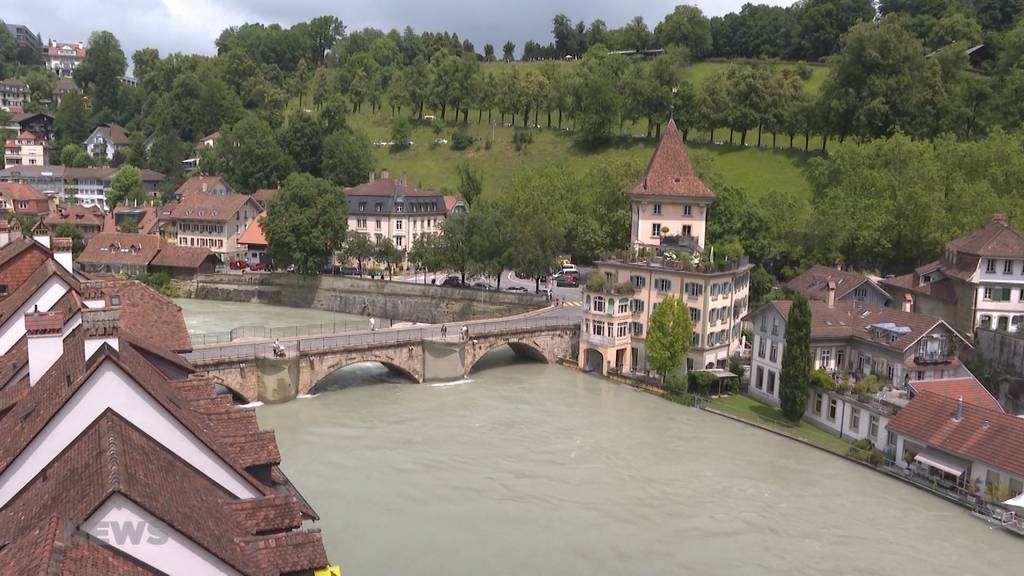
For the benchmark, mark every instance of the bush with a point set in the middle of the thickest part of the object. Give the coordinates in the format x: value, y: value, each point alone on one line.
x: 596, y: 282
x: 736, y: 365
x: 488, y: 144
x: 160, y: 281
x: 401, y: 135
x: 676, y: 384
x: 461, y: 139
x: 865, y: 451
x: 804, y: 71
x: 821, y: 379
x: 869, y: 384
x: 700, y: 382
x: 521, y: 138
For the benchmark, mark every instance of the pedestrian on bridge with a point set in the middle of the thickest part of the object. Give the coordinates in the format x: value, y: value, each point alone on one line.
x: 373, y: 324
x: 465, y: 332
x: 444, y: 330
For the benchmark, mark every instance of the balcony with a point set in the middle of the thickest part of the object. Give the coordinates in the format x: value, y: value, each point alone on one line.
x: 926, y: 357
x: 667, y: 258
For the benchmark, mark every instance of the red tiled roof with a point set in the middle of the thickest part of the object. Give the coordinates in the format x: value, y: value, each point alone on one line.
x: 23, y: 192
x: 851, y: 319
x: 813, y: 282
x: 16, y: 299
x: 200, y: 184
x: 119, y: 248
x: 55, y: 547
x: 670, y: 172
x: 981, y: 435
x: 994, y: 239
x: 114, y: 133
x: 263, y: 195
x: 388, y: 187
x: 253, y: 234
x: 939, y: 289
x: 968, y: 388
x: 149, y: 315
x: 210, y: 207
x: 145, y: 216
x: 75, y: 214
x: 188, y: 257
x: 269, y: 514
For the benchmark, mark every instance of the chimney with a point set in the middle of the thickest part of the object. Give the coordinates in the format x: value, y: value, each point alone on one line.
x: 1001, y: 218
x: 92, y: 294
x: 100, y: 327
x: 41, y: 234
x: 959, y: 413
x: 908, y: 302
x: 62, y: 253
x: 45, y: 332
x: 384, y: 174
x: 830, y: 297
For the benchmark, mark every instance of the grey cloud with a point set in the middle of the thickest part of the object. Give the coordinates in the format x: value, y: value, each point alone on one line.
x: 193, y: 25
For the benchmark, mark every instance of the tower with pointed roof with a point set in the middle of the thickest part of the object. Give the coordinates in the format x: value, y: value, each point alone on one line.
x: 669, y: 200
x: 669, y: 206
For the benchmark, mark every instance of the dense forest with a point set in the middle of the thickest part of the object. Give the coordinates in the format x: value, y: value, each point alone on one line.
x: 900, y: 83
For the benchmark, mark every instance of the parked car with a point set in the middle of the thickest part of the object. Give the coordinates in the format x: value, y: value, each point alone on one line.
x: 567, y: 281
x: 258, y: 266
x: 516, y: 289
x: 452, y: 282
x: 569, y: 268
x: 238, y: 265
x: 349, y: 271
x: 482, y: 286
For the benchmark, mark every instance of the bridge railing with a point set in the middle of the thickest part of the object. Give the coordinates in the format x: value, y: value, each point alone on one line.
x: 251, y: 351
x: 271, y: 332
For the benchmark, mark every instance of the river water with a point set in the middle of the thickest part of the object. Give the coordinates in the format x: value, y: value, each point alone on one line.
x: 533, y: 469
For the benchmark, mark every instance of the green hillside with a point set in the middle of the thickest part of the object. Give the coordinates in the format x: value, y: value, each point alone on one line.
x: 757, y: 170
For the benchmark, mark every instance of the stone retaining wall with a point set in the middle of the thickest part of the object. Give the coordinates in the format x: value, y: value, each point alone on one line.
x: 399, y: 301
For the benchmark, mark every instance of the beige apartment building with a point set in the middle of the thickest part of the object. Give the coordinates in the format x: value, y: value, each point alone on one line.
x: 213, y: 221
x: 667, y: 258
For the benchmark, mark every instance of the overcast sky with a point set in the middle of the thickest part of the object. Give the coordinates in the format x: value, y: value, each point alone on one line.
x: 193, y: 25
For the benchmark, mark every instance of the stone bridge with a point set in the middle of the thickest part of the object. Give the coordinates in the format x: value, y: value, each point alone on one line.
x: 252, y: 372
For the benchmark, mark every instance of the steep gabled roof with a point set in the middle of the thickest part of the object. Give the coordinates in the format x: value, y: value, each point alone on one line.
x: 119, y: 248
x: 982, y: 435
x: 253, y: 233
x: 200, y: 184
x: 993, y: 240
x: 210, y: 207
x: 814, y: 282
x: 23, y: 192
x: 670, y: 171
x: 967, y: 388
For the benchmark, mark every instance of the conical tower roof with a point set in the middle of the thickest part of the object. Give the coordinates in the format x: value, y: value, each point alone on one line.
x: 670, y: 172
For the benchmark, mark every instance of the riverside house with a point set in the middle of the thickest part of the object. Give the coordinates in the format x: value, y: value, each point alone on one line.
x: 978, y: 282
x: 669, y: 205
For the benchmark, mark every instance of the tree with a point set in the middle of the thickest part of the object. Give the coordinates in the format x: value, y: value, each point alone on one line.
x: 249, y: 156
x: 882, y: 81
x: 426, y: 254
x: 358, y: 247
x: 324, y: 32
x: 598, y: 98
x: 470, y: 183
x: 488, y: 52
x: 347, y: 157
x: 69, y: 230
x: 72, y: 123
x: 128, y: 226
x: 638, y: 37
x: 74, y: 155
x: 8, y: 51
x: 103, y: 67
x: 388, y: 254
x: 687, y: 27
x: 305, y: 223
x: 302, y: 138
x: 401, y: 135
x: 823, y: 22
x: 795, y: 376
x: 126, y: 187
x: 669, y: 334
x: 507, y: 51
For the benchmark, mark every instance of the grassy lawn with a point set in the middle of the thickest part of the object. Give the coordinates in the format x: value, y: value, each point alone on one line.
x: 749, y: 409
x: 759, y: 171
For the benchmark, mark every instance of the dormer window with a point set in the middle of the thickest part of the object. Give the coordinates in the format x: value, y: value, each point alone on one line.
x: 687, y: 210
x: 379, y: 206
x: 657, y: 208
x: 990, y: 266
x: 1007, y: 266
x: 362, y: 206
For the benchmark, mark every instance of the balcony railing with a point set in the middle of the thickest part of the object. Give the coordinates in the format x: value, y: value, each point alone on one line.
x: 681, y: 264
x: 933, y: 357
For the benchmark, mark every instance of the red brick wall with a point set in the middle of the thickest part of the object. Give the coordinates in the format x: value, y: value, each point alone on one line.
x: 16, y: 270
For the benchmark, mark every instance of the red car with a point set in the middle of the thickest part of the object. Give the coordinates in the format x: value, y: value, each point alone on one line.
x: 257, y: 266
x: 238, y: 265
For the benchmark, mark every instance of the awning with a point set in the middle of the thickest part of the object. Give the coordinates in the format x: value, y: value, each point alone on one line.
x: 1017, y: 502
x: 943, y: 462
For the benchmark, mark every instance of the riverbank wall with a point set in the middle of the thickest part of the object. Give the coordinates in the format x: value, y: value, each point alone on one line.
x: 399, y: 301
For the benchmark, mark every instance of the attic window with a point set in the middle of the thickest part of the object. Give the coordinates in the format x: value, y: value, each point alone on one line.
x: 3, y: 290
x: 115, y: 300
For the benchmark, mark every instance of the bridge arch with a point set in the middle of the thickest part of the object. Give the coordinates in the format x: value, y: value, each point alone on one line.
x: 522, y: 348
x: 405, y: 363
